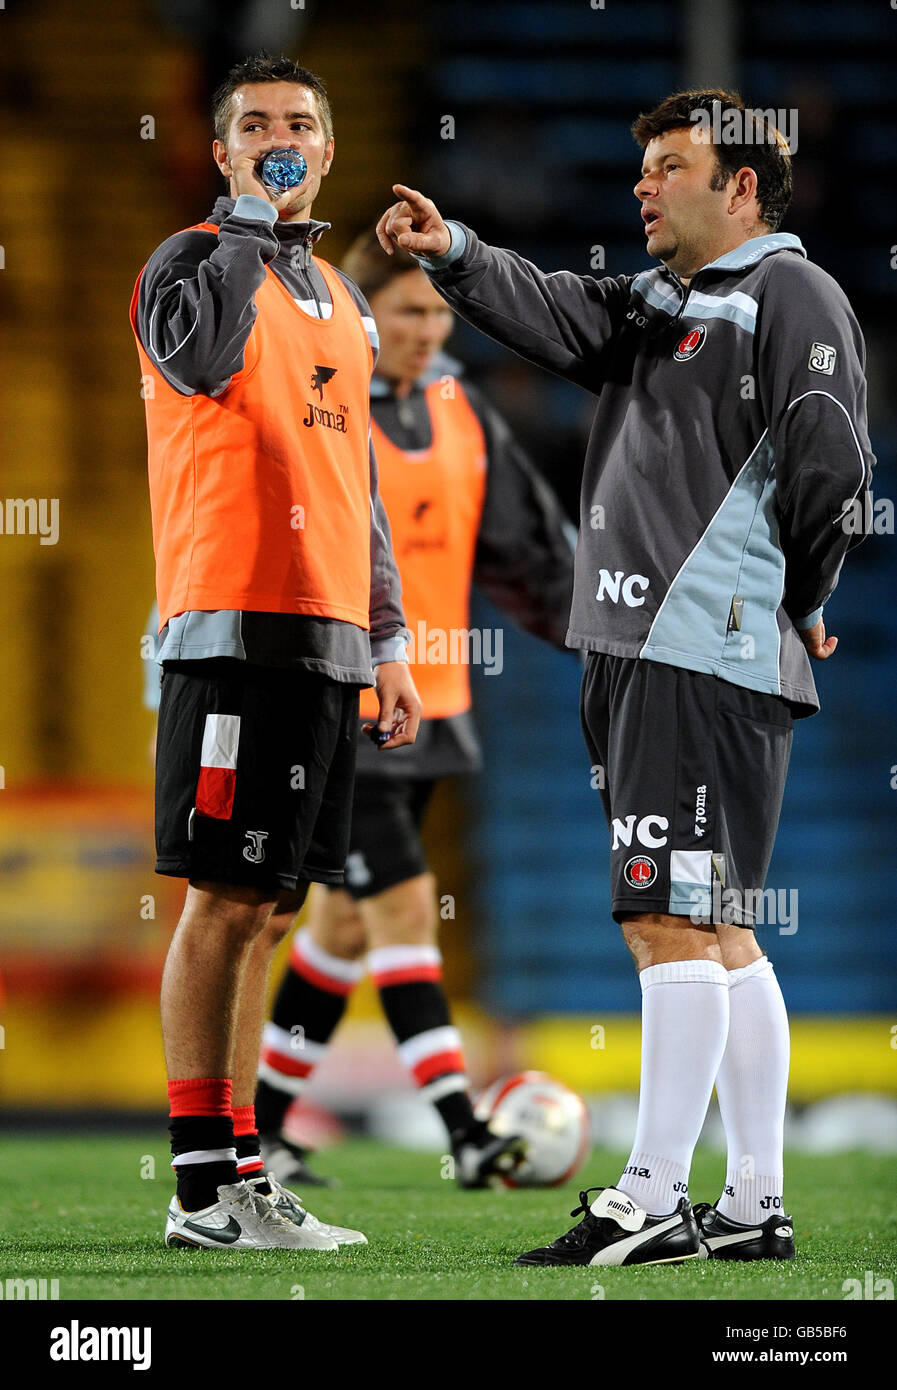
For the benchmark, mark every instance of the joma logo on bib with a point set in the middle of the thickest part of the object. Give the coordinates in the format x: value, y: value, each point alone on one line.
x: 329, y: 419
x: 614, y: 586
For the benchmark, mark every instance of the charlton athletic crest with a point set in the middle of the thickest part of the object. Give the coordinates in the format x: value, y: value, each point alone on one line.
x: 691, y: 344
x: 640, y: 872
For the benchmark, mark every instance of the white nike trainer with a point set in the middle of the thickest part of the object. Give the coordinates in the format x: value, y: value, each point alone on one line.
x: 242, y: 1219
x: 289, y: 1205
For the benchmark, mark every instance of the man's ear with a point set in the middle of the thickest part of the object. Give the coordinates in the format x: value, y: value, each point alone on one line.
x: 219, y: 155
x: 328, y: 157
x: 745, y: 180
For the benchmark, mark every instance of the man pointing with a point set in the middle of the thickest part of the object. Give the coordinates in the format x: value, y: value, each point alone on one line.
x: 729, y: 440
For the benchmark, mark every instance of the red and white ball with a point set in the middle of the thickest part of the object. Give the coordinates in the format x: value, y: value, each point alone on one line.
x: 549, y: 1116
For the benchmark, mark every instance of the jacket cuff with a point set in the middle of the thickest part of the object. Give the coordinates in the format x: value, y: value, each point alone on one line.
x: 802, y: 624
x: 393, y: 648
x: 454, y: 253
x: 254, y: 209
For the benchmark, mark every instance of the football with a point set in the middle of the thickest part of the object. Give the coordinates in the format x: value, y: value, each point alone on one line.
x: 551, y: 1118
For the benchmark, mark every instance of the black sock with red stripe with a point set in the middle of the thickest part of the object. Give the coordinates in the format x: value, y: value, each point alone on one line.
x: 409, y: 980
x: 310, y: 1003
x: 246, y: 1142
x: 204, y: 1154
x: 271, y: 1105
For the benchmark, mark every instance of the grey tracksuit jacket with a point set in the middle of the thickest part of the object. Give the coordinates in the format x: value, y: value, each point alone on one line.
x: 728, y: 441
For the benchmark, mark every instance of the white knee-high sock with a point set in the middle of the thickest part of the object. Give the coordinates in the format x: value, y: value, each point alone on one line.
x: 751, y: 1087
x: 685, y: 1019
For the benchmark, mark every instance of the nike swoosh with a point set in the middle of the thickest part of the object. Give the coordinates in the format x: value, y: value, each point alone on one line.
x: 225, y: 1234
x: 292, y: 1211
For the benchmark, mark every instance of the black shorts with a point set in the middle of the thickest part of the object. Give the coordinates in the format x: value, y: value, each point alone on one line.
x: 385, y: 847
x: 254, y: 774
x: 691, y: 771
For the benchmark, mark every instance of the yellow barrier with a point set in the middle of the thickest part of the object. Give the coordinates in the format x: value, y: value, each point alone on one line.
x: 108, y: 1053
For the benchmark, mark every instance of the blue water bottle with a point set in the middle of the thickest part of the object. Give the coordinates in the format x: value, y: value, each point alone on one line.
x: 281, y: 170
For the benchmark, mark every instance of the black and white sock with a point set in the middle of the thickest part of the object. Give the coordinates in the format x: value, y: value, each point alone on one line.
x: 409, y: 979
x: 309, y: 1005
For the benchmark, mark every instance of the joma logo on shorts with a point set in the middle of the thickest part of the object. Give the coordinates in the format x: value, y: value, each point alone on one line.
x: 613, y: 586
x: 700, y: 810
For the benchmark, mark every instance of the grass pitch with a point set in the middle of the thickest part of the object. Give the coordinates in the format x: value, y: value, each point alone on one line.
x: 89, y: 1212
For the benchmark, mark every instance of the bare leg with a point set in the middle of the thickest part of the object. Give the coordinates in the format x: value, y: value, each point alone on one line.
x: 252, y: 1006
x: 654, y: 938
x: 335, y: 922
x: 402, y: 916
x: 739, y: 946
x: 203, y: 974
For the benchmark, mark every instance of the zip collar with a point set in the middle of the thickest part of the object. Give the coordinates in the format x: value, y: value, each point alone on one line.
x: 755, y: 249
x: 289, y: 234
x: 749, y: 253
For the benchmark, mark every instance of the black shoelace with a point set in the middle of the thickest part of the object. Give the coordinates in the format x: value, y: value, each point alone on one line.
x: 580, y: 1234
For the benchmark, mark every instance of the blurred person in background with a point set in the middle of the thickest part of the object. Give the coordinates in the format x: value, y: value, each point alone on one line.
x: 465, y: 505
x: 277, y: 594
x: 728, y: 445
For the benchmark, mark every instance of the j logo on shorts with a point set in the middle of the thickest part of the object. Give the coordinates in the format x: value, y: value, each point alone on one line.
x: 255, y: 852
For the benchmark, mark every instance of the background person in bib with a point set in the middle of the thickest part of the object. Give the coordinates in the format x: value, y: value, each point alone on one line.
x: 278, y: 598
x: 729, y: 441
x: 464, y: 504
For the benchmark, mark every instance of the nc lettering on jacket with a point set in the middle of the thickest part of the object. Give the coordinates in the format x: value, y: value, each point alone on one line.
x: 616, y: 587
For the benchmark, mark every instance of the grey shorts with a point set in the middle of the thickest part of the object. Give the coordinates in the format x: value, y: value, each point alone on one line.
x: 691, y: 772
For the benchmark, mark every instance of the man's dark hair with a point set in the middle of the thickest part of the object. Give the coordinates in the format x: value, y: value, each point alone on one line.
x: 765, y: 150
x: 371, y: 268
x: 263, y: 67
